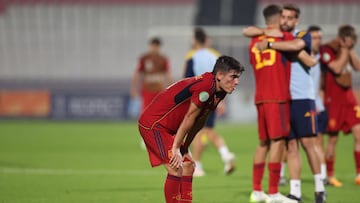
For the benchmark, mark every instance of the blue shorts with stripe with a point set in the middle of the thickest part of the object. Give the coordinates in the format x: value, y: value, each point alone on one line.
x: 210, y: 123
x: 303, y: 118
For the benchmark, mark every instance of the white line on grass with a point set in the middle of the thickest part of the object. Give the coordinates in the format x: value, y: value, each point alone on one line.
x: 49, y: 171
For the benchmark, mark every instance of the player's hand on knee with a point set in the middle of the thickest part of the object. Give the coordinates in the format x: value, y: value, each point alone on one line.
x: 176, y: 159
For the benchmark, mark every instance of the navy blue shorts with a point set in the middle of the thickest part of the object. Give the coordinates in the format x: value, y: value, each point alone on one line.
x: 303, y: 118
x: 210, y: 123
x: 322, y: 121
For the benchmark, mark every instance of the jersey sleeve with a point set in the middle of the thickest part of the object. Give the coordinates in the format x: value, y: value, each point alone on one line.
x: 327, y: 55
x: 307, y: 39
x: 200, y: 93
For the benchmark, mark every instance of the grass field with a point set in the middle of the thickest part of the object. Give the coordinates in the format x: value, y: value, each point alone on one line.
x: 102, y: 162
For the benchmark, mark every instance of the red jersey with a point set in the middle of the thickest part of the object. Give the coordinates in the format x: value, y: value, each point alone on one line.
x: 272, y: 71
x: 169, y: 107
x: 154, y: 68
x: 334, y: 92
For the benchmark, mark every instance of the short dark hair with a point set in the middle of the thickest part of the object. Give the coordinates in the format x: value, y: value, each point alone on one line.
x: 227, y: 63
x: 313, y: 28
x: 155, y: 41
x: 271, y: 10
x: 200, y: 35
x: 347, y: 31
x: 293, y: 7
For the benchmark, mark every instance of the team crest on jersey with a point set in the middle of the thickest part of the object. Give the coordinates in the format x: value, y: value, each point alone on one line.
x: 326, y: 57
x: 203, y: 96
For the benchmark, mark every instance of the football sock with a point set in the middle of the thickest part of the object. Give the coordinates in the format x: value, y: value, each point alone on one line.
x: 186, y: 189
x: 258, y: 173
x: 295, y: 188
x: 323, y: 171
x: 224, y: 151
x: 172, y: 189
x: 357, y: 161
x: 319, y: 184
x: 330, y: 166
x: 274, y: 177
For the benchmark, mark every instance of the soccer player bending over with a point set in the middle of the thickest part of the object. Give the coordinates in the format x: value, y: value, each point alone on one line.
x: 170, y: 122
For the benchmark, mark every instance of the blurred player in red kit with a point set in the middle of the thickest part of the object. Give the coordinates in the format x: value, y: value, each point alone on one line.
x: 338, y: 57
x: 170, y: 122
x: 153, y: 72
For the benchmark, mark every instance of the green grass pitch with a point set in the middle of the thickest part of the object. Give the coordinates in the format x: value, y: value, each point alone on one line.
x: 100, y: 162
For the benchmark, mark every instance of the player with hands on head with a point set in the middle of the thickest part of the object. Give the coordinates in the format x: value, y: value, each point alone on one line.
x: 338, y: 57
x: 170, y: 122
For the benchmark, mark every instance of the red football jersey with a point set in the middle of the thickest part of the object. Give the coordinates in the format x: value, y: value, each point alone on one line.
x: 170, y: 106
x: 334, y: 93
x: 272, y: 71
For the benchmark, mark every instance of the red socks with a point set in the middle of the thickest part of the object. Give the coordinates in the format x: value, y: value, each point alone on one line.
x: 274, y: 177
x: 177, y: 189
x: 258, y: 173
x: 172, y: 189
x: 357, y: 161
x: 330, y: 166
x: 186, y: 189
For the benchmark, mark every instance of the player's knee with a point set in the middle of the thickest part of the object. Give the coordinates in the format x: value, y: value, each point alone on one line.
x: 189, y: 167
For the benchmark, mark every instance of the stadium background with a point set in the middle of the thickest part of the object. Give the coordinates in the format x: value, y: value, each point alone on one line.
x: 66, y: 62
x: 70, y: 59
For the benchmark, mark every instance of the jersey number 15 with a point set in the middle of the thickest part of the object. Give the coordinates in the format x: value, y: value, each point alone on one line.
x: 264, y: 58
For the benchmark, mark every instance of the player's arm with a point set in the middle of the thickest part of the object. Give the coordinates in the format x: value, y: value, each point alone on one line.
x: 184, y: 128
x: 290, y: 45
x: 354, y: 60
x: 340, y: 62
x: 253, y: 31
x: 168, y: 76
x: 306, y: 59
x: 134, y: 85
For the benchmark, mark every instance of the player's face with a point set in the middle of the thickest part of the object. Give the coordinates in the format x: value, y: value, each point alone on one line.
x: 316, y: 37
x: 288, y: 20
x: 227, y: 81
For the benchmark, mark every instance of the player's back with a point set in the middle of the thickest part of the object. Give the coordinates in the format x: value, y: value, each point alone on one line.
x: 272, y: 71
x: 170, y: 106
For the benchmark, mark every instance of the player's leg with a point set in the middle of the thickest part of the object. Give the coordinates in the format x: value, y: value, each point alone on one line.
x: 186, y: 181
x: 330, y: 154
x: 335, y: 121
x: 282, y: 180
x: 277, y: 125
x: 198, y: 146
x: 322, y: 124
x: 311, y: 151
x: 356, y: 133
x: 257, y: 194
x: 158, y: 155
x: 172, y: 186
x: 226, y: 156
x: 294, y: 166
